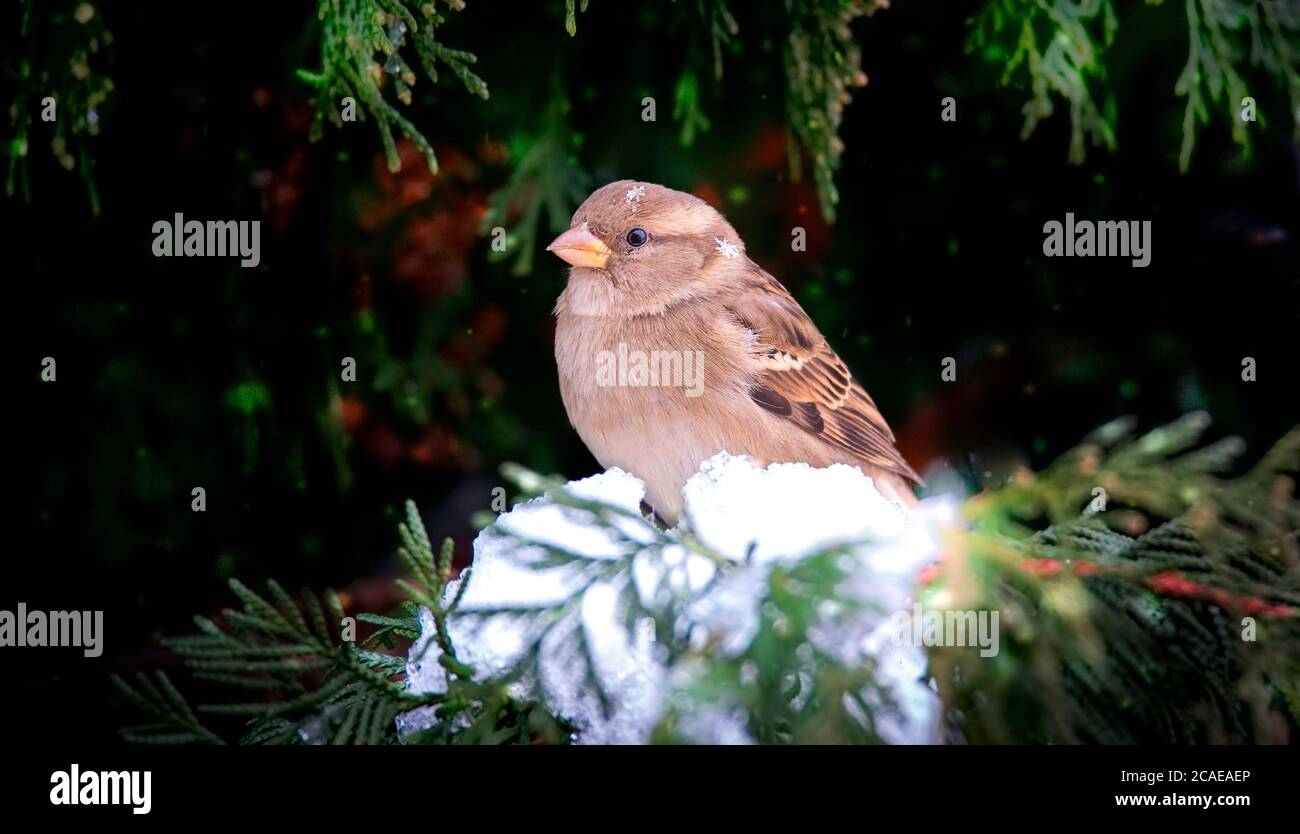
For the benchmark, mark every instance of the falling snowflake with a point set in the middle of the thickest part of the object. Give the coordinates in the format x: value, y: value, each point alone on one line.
x: 633, y: 194
x: 727, y: 249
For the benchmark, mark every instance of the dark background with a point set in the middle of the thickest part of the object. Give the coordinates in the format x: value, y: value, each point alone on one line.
x: 176, y: 373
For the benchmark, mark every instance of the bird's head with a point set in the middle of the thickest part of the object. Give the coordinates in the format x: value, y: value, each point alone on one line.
x: 645, y: 247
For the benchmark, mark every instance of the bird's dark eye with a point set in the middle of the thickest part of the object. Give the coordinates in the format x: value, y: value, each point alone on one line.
x: 638, y: 236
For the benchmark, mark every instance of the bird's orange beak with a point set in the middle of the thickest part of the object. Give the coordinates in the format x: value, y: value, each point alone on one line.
x: 580, y: 247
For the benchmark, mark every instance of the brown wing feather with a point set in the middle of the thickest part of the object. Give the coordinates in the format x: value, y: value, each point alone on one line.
x: 803, y: 380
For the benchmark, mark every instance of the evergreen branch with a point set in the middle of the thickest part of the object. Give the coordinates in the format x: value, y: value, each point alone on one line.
x: 353, y: 33
x: 1057, y: 45
x: 391, y: 627
x: 270, y: 646
x: 546, y: 179
x: 65, y: 60
x: 571, y: 15
x: 1109, y: 636
x: 176, y: 722
x: 1059, y: 48
x: 1223, y: 37
x: 711, y: 29
x: 1132, y: 639
x: 822, y: 66
x: 686, y: 108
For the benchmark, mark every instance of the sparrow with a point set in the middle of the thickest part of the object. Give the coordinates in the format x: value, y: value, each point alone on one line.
x: 659, y: 279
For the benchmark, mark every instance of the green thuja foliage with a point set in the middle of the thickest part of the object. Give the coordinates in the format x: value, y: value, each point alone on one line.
x: 571, y: 15
x: 1142, y: 597
x: 293, y: 651
x: 546, y: 180
x: 364, y: 46
x: 174, y: 722
x: 1226, y: 40
x: 1243, y: 57
x: 1059, y: 49
x: 1185, y: 632
x: 306, y: 680
x: 822, y: 65
x: 66, y: 52
x: 710, y: 28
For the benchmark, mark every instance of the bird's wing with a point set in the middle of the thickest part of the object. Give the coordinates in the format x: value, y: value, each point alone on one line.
x: 803, y: 380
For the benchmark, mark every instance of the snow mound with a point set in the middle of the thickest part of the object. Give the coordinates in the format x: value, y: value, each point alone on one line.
x: 569, y: 583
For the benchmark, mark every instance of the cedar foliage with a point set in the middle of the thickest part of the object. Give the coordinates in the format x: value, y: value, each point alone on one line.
x: 1109, y: 635
x: 1058, y: 49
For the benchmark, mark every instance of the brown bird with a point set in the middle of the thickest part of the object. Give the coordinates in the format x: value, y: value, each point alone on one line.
x: 672, y: 346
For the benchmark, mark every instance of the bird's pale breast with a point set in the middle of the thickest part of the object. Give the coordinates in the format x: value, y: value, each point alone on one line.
x: 661, y: 433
